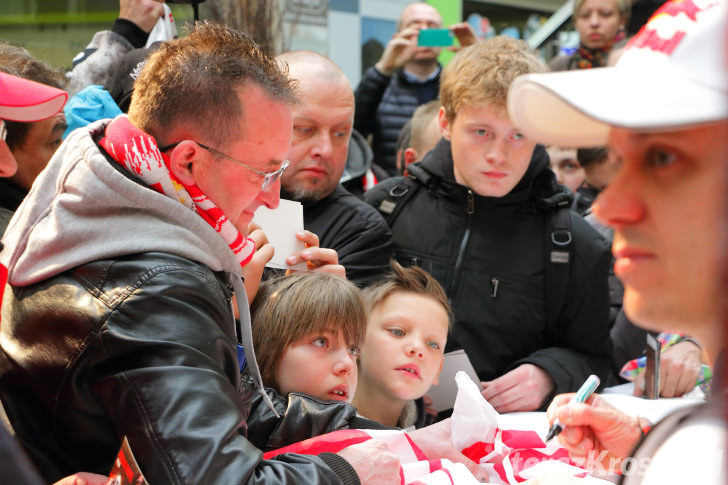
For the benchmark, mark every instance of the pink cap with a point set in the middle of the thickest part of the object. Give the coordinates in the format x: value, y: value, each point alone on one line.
x: 671, y: 75
x: 24, y: 100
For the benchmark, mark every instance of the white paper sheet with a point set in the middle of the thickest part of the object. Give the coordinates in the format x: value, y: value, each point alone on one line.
x: 280, y: 225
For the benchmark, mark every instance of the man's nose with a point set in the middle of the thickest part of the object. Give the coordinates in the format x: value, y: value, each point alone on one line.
x: 271, y: 197
x: 620, y: 203
x: 322, y: 147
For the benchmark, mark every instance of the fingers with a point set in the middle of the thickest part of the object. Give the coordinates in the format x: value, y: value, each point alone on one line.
x: 639, y: 385
x: 143, y: 13
x: 308, y: 238
x: 522, y: 389
x: 556, y: 404
x: 464, y: 33
x: 253, y: 271
x: 314, y: 257
x: 490, y: 389
x: 373, y: 462
x: 258, y: 236
x: 679, y: 369
x: 596, y: 417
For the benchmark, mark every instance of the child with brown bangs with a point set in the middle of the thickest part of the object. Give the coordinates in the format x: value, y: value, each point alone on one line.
x: 307, y: 328
x: 403, y: 351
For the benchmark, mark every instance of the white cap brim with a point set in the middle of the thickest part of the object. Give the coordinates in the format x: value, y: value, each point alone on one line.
x: 576, y: 108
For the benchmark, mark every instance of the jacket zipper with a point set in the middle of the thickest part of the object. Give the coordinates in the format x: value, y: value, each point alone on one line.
x: 469, y: 210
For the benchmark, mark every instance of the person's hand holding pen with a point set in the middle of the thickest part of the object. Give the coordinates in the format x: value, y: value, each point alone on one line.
x: 596, y: 428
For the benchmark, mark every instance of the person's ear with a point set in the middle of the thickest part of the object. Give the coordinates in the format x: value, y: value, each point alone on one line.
x: 185, y: 160
x: 443, y: 123
x: 410, y: 156
x: 437, y: 376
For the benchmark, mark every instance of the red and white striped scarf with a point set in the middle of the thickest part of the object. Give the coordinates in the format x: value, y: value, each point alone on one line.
x: 138, y: 153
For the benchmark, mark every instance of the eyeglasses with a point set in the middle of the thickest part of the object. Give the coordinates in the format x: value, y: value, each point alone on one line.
x: 269, y: 178
x: 3, y: 130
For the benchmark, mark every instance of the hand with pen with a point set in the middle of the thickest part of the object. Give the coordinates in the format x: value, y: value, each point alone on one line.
x: 595, y: 433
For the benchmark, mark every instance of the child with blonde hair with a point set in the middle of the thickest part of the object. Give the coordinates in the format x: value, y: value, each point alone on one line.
x: 403, y: 351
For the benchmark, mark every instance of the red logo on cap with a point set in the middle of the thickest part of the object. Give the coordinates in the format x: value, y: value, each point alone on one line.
x: 648, y: 37
x: 677, y: 7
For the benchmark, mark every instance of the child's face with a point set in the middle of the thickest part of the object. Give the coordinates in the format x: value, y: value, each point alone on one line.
x: 321, y: 365
x: 403, y: 350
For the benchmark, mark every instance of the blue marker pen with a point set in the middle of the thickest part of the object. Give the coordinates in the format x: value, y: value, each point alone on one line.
x: 586, y: 390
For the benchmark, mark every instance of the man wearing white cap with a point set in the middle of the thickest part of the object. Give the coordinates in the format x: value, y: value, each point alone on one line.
x: 663, y: 112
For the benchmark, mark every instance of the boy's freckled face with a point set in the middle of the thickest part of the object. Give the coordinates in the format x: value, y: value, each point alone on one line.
x: 404, y: 346
x: 321, y: 365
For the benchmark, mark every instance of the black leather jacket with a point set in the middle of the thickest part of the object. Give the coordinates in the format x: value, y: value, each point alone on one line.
x: 141, y: 346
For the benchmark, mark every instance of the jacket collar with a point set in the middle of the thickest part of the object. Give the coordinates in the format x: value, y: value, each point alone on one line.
x: 538, y: 183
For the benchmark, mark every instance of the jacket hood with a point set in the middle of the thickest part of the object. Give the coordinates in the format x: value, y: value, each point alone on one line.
x: 538, y: 184
x: 358, y: 158
x: 83, y: 208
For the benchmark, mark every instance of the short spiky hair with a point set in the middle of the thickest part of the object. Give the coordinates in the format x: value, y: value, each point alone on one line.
x: 412, y: 279
x: 483, y: 72
x: 288, y: 308
x: 193, y: 81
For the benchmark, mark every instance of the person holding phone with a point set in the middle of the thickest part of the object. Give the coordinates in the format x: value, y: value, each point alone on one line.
x: 406, y: 76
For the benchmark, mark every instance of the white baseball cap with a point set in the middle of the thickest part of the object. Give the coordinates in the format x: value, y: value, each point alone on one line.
x: 672, y: 74
x: 25, y: 100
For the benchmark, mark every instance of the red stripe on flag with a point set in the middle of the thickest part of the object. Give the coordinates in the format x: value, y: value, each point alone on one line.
x: 514, y: 438
x: 327, y: 443
x: 416, y: 449
x: 478, y: 450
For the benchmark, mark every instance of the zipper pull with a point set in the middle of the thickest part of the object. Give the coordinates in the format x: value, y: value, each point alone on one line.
x: 494, y: 283
x: 470, y: 208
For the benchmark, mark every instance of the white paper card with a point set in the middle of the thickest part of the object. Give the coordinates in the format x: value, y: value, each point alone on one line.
x: 280, y: 226
x: 443, y: 395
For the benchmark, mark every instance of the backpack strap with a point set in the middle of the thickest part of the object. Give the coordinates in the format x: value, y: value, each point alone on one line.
x: 392, y: 204
x: 559, y: 254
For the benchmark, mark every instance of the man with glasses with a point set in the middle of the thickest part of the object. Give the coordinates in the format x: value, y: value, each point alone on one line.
x: 122, y: 264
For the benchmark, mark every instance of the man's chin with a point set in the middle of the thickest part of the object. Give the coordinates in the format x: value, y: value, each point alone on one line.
x: 307, y: 195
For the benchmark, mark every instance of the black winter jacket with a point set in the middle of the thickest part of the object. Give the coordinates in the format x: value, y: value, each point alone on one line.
x: 488, y: 253
x: 355, y: 230
x: 383, y: 106
x: 139, y: 346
